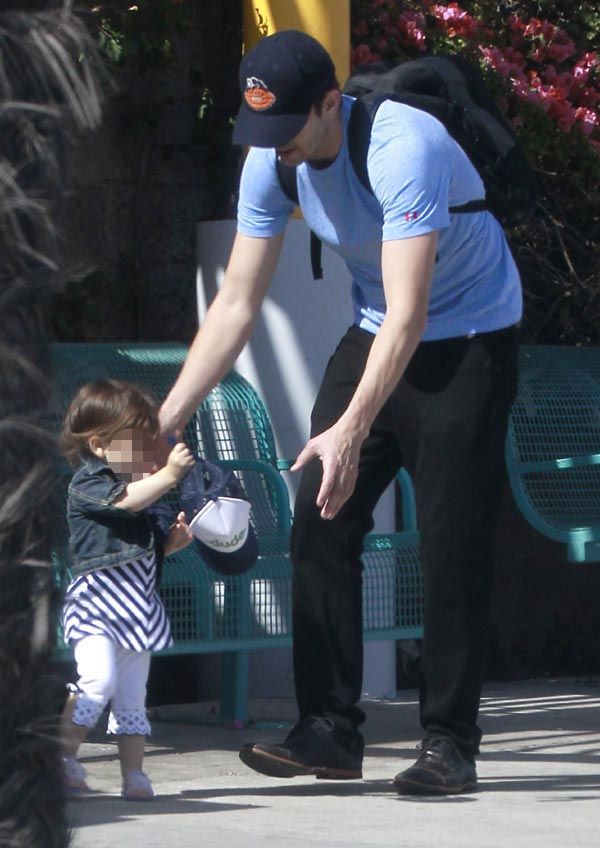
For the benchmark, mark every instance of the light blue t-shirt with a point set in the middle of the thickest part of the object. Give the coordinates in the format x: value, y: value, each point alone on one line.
x: 417, y: 172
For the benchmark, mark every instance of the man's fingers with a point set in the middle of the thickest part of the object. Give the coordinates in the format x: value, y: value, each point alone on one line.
x: 334, y: 492
x: 327, y: 484
x: 306, y: 454
x: 339, y: 475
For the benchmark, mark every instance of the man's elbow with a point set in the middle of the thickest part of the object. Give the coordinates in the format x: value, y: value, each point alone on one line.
x: 236, y: 308
x: 412, y: 324
x: 419, y: 322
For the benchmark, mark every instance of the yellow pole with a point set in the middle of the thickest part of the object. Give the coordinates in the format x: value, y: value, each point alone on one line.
x: 326, y: 20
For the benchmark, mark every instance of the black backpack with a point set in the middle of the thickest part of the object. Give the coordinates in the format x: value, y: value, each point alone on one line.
x: 452, y: 90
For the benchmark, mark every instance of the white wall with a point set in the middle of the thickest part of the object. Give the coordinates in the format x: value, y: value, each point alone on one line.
x: 299, y: 327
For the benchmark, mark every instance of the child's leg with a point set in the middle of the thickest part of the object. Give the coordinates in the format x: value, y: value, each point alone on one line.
x: 96, y: 668
x: 129, y: 721
x: 131, y: 752
x: 72, y: 734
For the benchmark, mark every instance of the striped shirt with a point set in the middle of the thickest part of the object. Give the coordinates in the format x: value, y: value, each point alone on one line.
x: 119, y: 602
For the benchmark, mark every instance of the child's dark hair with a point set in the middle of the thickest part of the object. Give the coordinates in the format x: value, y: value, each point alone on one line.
x: 103, y: 408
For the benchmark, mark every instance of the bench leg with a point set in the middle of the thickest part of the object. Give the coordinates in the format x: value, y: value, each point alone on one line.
x: 234, y: 686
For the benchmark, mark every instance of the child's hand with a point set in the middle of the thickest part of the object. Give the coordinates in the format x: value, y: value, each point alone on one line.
x: 179, y: 461
x: 179, y: 536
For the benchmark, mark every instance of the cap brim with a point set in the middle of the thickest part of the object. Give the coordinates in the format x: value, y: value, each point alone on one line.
x: 234, y: 563
x: 259, y: 130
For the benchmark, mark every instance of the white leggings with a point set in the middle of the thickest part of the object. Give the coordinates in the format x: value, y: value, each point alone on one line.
x: 108, y: 672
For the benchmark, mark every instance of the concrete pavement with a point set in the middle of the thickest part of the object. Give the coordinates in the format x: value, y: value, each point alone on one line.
x: 539, y: 774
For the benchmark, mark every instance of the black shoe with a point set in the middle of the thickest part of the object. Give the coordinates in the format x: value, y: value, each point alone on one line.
x: 314, y: 746
x: 440, y: 770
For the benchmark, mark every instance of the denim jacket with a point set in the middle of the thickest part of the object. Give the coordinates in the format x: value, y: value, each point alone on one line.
x: 103, y: 535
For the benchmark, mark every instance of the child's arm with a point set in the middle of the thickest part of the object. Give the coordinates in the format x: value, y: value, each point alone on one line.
x: 179, y: 537
x: 140, y: 494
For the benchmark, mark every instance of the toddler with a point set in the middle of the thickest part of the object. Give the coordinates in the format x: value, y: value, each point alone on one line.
x: 113, y: 617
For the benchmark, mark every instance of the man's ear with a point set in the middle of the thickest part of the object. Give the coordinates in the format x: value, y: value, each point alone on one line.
x: 331, y: 101
x: 97, y: 447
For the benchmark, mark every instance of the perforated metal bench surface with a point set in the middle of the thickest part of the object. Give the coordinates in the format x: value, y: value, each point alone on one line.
x: 553, y: 446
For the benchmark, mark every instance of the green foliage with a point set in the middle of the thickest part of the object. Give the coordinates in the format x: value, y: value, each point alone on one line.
x: 141, y: 31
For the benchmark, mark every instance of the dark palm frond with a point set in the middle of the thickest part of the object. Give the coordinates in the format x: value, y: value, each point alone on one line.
x: 50, y: 86
x: 50, y: 83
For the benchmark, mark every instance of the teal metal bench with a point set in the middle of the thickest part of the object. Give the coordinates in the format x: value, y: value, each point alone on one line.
x: 553, y: 446
x: 235, y: 615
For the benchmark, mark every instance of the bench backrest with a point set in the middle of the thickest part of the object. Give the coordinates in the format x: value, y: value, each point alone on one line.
x: 553, y: 445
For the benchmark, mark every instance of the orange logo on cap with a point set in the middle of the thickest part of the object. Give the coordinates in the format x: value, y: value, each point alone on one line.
x: 257, y: 95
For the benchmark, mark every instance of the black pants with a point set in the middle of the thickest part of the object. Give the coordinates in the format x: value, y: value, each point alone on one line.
x: 446, y: 423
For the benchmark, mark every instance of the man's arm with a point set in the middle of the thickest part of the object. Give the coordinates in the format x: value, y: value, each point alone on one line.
x: 225, y: 329
x: 407, y: 269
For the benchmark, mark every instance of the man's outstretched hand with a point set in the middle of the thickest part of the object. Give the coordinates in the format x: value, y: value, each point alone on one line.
x: 339, y: 457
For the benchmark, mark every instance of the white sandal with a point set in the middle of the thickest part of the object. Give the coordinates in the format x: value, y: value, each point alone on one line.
x: 74, y: 776
x: 137, y: 787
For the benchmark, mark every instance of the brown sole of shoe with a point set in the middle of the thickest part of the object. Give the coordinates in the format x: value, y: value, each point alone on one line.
x: 273, y: 766
x: 407, y: 787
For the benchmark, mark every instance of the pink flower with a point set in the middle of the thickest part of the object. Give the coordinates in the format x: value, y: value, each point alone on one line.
x: 409, y: 16
x: 535, y: 27
x: 588, y: 120
x: 560, y: 52
x: 501, y: 62
x: 456, y: 21
x: 515, y: 23
x: 581, y: 73
x: 362, y: 55
x: 589, y: 61
x: 585, y: 66
x: 526, y: 95
x: 410, y: 29
x: 558, y: 108
x: 362, y: 28
x: 548, y: 30
x: 514, y: 56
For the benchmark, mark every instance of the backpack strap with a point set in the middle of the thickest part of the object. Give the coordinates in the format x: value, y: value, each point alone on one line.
x: 316, y: 252
x: 359, y: 137
x: 287, y: 179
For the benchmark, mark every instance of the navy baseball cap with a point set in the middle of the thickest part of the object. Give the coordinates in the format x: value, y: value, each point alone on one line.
x: 218, y: 514
x: 280, y: 79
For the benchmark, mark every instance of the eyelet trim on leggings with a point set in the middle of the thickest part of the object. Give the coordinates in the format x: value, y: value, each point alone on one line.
x: 87, y: 710
x: 132, y: 721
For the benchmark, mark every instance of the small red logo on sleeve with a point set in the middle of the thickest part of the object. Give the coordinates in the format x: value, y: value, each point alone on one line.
x: 411, y: 216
